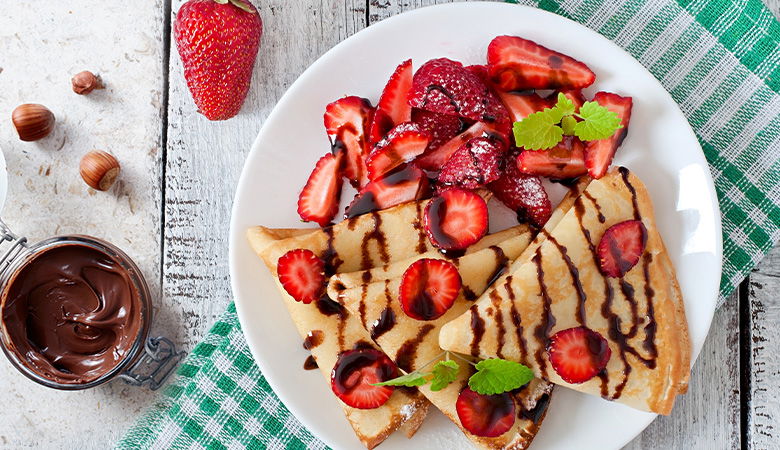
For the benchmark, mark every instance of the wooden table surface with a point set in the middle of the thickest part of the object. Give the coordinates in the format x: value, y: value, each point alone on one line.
x: 171, y: 208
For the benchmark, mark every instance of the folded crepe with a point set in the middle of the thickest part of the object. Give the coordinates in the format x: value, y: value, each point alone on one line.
x: 557, y: 284
x: 413, y: 344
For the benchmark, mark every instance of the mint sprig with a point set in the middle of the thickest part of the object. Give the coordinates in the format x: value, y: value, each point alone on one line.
x: 545, y: 129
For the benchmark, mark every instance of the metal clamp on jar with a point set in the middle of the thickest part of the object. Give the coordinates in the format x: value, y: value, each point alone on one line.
x: 75, y: 312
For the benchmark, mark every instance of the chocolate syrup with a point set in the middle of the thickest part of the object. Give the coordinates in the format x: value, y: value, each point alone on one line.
x: 575, y: 278
x: 366, y: 201
x: 496, y: 300
x: 515, y: 316
x: 477, y: 330
x: 352, y: 361
x: 383, y: 324
x: 501, y: 264
x: 599, y: 214
x: 330, y: 256
x: 310, y: 363
x: 437, y: 211
x: 538, y: 411
x: 651, y: 326
x: 542, y: 331
x: 408, y: 351
x: 422, y: 236
x: 329, y: 308
x: 362, y: 345
x: 468, y: 294
x: 378, y: 236
x: 313, y: 339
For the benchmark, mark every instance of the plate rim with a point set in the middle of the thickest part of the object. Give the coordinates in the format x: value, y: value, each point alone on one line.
x: 236, y: 236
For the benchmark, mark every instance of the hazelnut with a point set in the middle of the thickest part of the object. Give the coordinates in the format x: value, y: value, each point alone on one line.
x: 85, y: 82
x: 32, y: 121
x: 99, y: 169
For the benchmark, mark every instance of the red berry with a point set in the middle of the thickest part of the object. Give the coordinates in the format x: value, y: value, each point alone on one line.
x: 393, y: 107
x: 456, y: 219
x: 446, y: 87
x: 578, y: 354
x: 599, y: 154
x: 355, y: 372
x: 621, y: 246
x: 346, y: 122
x: 429, y: 288
x: 516, y: 64
x: 403, y: 184
x: 401, y: 145
x: 440, y: 127
x: 218, y: 44
x: 565, y: 160
x: 522, y: 193
x: 474, y: 164
x: 319, y: 200
x: 302, y: 275
x: 485, y: 415
x: 523, y: 104
x: 435, y: 160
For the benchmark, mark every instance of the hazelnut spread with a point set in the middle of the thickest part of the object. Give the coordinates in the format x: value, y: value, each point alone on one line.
x: 71, y: 313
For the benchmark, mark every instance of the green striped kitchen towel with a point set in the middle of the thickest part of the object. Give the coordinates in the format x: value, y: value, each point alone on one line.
x: 720, y: 60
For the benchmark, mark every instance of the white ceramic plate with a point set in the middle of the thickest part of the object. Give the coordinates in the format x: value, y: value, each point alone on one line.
x: 660, y: 148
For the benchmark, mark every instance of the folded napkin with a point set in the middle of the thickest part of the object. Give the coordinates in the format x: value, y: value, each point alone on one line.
x: 719, y: 59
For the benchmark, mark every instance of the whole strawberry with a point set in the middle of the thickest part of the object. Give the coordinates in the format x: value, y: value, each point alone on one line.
x: 218, y: 42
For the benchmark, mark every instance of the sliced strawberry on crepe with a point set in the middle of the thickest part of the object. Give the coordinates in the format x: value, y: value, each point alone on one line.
x: 404, y: 184
x: 347, y: 121
x: 485, y: 415
x: 440, y: 127
x: 522, y: 193
x: 564, y: 161
x: 401, y: 145
x: 578, y: 354
x: 356, y: 372
x: 436, y: 159
x: 393, y: 107
x: 429, y: 288
x: 523, y: 104
x: 319, y: 200
x: 621, y: 246
x: 302, y: 275
x: 446, y: 87
x: 475, y: 164
x: 599, y: 154
x: 515, y: 64
x: 456, y: 219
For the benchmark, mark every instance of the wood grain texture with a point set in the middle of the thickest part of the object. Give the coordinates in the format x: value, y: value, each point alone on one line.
x: 763, y: 419
x: 43, y: 46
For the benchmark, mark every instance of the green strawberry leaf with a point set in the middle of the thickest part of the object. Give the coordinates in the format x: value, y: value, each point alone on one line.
x: 444, y: 373
x: 495, y: 376
x: 597, y: 122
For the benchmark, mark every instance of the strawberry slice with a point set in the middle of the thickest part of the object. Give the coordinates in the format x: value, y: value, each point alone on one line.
x: 515, y: 64
x: 404, y: 184
x: 481, y: 71
x: 522, y: 193
x: 523, y: 104
x: 393, y: 107
x: 355, y: 372
x: 621, y: 246
x: 565, y: 160
x: 347, y: 121
x: 302, y: 275
x: 578, y: 354
x: 446, y: 87
x: 401, y: 145
x: 474, y: 164
x: 429, y: 288
x: 599, y: 154
x: 440, y: 127
x: 485, y: 415
x: 319, y: 200
x: 456, y: 219
x: 435, y: 160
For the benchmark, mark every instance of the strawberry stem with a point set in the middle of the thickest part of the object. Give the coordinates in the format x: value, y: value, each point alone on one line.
x: 242, y: 5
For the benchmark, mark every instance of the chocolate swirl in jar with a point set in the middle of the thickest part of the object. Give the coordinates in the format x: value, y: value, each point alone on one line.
x: 71, y: 313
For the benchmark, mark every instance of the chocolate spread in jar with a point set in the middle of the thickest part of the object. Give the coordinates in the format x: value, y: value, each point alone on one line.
x: 71, y: 313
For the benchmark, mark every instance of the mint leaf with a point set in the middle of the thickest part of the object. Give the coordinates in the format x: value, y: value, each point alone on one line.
x: 538, y: 131
x: 597, y: 122
x: 444, y: 373
x: 567, y: 124
x: 495, y: 376
x: 411, y: 380
x: 563, y: 107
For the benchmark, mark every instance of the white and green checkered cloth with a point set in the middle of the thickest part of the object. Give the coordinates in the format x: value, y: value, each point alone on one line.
x: 719, y: 59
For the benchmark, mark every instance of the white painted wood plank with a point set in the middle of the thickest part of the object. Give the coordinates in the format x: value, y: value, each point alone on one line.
x: 43, y: 44
x: 763, y: 429
x: 204, y: 159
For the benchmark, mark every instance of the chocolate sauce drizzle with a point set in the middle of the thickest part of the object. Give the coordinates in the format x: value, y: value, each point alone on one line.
x: 515, y: 316
x: 408, y: 351
x: 383, y: 324
x: 575, y: 278
x: 542, y: 331
x: 314, y: 339
x: 496, y: 299
x: 477, y: 330
x: 422, y: 237
x: 310, y: 363
x: 378, y: 236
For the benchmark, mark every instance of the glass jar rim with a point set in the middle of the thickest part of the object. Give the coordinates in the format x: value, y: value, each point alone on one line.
x: 136, y: 276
